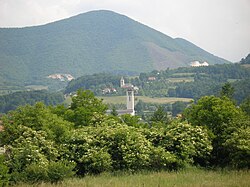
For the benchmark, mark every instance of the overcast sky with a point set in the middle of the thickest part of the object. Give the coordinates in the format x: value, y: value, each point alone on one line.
x: 221, y: 27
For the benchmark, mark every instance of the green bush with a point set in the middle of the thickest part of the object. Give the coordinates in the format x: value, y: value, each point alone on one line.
x: 189, y: 143
x: 54, y: 172
x: 35, y: 173
x: 60, y: 170
x: 88, y: 151
x: 239, y: 147
x: 163, y: 160
x: 4, y: 170
x: 96, y: 160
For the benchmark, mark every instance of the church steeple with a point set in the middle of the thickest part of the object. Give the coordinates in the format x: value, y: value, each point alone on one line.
x: 122, y: 82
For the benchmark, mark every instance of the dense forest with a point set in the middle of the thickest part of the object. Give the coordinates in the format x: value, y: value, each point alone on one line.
x: 12, y: 101
x: 50, y: 144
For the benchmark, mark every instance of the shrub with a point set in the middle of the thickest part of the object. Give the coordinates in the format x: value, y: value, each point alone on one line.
x: 35, y: 173
x: 96, y: 160
x: 163, y: 160
x: 4, y: 176
x: 88, y: 152
x: 53, y: 172
x: 187, y: 142
x: 58, y: 171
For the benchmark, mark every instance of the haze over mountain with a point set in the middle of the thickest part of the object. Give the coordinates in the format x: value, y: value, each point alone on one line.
x: 97, y: 41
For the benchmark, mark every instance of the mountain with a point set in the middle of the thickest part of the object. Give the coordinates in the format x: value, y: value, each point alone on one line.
x: 97, y: 41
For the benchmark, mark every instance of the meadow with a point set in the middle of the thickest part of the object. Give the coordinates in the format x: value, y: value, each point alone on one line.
x: 192, y: 177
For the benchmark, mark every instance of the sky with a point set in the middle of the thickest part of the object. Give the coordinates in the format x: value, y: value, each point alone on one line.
x: 221, y: 27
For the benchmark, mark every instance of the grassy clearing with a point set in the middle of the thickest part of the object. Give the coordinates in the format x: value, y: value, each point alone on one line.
x: 183, y: 74
x: 181, y: 79
x: 157, y: 100
x: 191, y: 177
x: 36, y: 87
x: 246, y: 65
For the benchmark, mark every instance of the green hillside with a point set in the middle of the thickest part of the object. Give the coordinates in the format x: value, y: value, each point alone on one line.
x: 97, y: 41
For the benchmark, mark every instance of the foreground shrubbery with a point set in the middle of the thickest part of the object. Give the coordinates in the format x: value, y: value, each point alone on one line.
x: 51, y: 144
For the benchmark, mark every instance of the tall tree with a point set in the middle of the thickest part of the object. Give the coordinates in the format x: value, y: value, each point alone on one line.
x: 85, y: 108
x: 222, y: 118
x: 227, y: 90
x: 160, y: 115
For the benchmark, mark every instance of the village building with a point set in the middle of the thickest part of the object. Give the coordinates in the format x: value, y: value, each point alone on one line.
x: 198, y: 64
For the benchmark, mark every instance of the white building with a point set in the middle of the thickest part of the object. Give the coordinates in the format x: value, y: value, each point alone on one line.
x: 198, y: 64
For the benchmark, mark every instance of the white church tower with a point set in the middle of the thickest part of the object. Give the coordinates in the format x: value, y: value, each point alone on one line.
x: 122, y: 82
x: 130, y: 101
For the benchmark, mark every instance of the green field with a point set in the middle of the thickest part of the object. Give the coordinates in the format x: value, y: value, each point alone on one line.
x: 181, y: 79
x: 157, y: 100
x: 192, y: 177
x: 36, y: 87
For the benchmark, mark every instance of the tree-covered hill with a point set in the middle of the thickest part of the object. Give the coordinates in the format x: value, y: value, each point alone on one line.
x: 184, y: 82
x: 97, y: 41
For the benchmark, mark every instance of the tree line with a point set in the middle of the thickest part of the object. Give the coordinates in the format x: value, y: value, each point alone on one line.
x: 13, y: 100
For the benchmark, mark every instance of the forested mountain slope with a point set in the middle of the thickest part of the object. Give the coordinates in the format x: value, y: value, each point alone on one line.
x: 97, y: 41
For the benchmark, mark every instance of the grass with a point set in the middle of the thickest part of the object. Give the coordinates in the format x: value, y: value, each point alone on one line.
x: 191, y: 177
x: 181, y: 79
x: 122, y: 99
x: 36, y: 87
x: 246, y: 65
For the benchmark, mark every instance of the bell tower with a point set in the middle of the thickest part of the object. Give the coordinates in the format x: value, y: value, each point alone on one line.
x: 130, y: 101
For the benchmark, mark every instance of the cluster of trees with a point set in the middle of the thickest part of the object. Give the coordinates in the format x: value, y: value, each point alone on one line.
x: 96, y: 83
x: 245, y: 60
x: 12, y: 101
x: 52, y: 143
x: 146, y: 110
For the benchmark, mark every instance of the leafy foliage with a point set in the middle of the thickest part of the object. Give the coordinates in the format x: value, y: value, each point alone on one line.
x: 84, y: 107
x: 45, y: 144
x: 12, y: 101
x: 223, y: 119
x: 160, y: 116
x: 4, y: 172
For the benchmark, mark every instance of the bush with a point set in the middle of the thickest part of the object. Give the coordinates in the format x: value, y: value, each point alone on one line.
x: 96, y: 160
x: 239, y: 147
x: 88, y: 152
x: 163, y: 160
x: 54, y: 172
x: 58, y: 171
x: 4, y: 176
x: 35, y: 173
x: 187, y: 142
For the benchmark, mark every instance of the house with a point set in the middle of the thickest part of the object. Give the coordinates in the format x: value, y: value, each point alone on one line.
x: 151, y: 78
x: 198, y: 64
